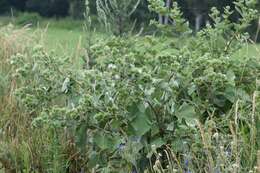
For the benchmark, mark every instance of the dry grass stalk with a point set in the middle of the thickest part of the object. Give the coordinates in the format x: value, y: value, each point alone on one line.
x: 258, y: 161
x: 207, y: 148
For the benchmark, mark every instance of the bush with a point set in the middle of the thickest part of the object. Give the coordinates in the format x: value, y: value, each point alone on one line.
x: 28, y: 18
x: 153, y: 104
x: 141, y: 98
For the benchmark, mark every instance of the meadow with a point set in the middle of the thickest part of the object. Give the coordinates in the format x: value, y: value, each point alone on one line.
x: 67, y: 36
x: 83, y: 100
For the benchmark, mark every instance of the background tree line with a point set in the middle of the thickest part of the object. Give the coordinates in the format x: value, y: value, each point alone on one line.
x: 195, y: 11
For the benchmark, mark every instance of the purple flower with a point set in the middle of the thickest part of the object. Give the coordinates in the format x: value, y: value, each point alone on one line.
x: 121, y: 147
x: 134, y: 171
x: 228, y: 152
x: 186, y: 162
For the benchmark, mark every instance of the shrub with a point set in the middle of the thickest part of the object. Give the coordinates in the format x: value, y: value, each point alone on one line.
x: 153, y: 104
x: 121, y: 108
x: 28, y: 18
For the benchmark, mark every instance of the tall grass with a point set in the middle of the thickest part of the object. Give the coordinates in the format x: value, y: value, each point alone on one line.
x: 22, y: 147
x: 227, y: 145
x: 12, y: 41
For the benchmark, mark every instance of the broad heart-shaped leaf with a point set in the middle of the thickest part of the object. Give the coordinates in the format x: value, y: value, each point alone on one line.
x: 158, y: 142
x: 219, y: 100
x: 141, y: 124
x: 106, y: 141
x: 232, y: 94
x: 177, y: 145
x: 242, y: 94
x: 231, y: 77
x: 132, y: 109
x: 187, y: 112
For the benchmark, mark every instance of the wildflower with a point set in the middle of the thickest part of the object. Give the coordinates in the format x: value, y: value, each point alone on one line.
x: 121, y: 146
x: 235, y: 165
x: 117, y: 77
x: 111, y: 66
x: 228, y: 152
x: 215, y: 135
x: 186, y: 162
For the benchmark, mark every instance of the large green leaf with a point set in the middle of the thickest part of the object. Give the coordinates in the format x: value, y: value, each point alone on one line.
x: 141, y: 123
x: 132, y: 110
x: 177, y: 145
x: 106, y: 141
x: 242, y: 94
x: 230, y: 94
x: 158, y: 142
x: 187, y: 113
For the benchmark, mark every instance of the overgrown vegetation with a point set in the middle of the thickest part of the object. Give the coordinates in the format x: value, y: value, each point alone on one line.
x: 115, y: 15
x: 176, y: 102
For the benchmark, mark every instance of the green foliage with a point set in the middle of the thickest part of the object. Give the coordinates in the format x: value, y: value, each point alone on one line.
x: 155, y: 104
x: 28, y: 18
x: 180, y: 26
x: 115, y: 14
